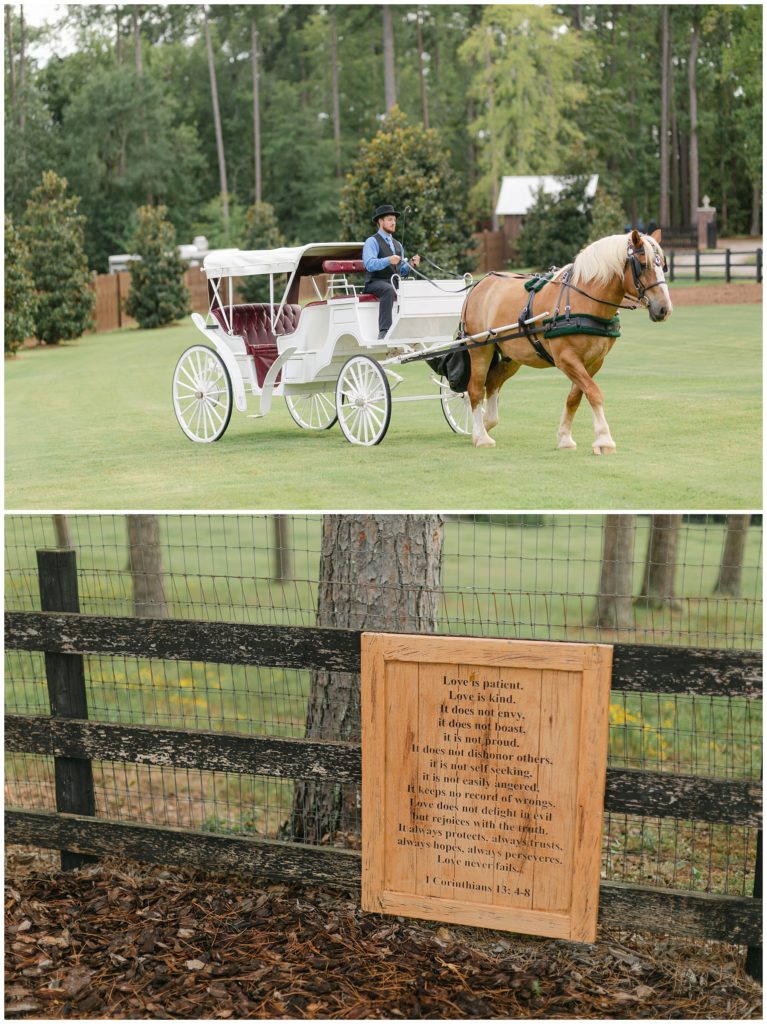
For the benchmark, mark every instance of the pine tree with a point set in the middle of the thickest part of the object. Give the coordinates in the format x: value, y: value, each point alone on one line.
x: 54, y: 234
x: 406, y: 165
x: 19, y: 290
x: 158, y: 295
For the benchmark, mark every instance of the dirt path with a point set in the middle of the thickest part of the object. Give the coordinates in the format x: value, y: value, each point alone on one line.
x: 130, y: 942
x: 715, y: 294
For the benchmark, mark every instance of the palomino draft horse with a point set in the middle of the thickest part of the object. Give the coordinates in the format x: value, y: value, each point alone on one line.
x: 584, y: 298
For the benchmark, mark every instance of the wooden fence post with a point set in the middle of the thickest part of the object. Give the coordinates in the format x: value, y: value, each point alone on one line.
x: 754, y: 954
x: 65, y: 674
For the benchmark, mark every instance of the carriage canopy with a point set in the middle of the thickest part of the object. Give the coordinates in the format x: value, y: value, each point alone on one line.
x: 286, y: 260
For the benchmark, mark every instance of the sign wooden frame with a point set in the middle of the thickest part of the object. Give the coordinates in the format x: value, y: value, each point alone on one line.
x: 483, y: 777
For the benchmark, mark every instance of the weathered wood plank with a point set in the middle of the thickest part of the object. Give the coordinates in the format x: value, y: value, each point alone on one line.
x: 231, y: 643
x: 691, y: 670
x: 208, y: 751
x: 636, y: 667
x: 701, y: 915
x: 687, y: 797
x: 163, y: 845
x: 735, y: 919
x: 65, y: 677
x: 629, y: 791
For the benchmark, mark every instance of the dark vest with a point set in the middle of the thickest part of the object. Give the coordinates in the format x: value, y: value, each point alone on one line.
x: 383, y: 253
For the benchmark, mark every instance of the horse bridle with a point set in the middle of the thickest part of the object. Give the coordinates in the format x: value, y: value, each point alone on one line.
x: 637, y: 268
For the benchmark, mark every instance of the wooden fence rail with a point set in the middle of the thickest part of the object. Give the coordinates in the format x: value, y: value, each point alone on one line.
x: 71, y: 739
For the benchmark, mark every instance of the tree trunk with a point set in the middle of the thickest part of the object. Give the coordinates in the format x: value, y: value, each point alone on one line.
x: 282, y: 567
x: 494, y: 183
x: 11, y: 61
x: 693, y: 90
x: 22, y: 69
x: 665, y: 213
x: 422, y: 69
x: 376, y: 572
x: 63, y: 533
x: 118, y: 41
x: 660, y: 565
x: 615, y: 608
x: 146, y: 567
x: 335, y: 93
x: 756, y: 209
x: 676, y: 184
x: 731, y: 566
x: 135, y: 16
x: 217, y: 122
x: 390, y: 83
x: 256, y: 111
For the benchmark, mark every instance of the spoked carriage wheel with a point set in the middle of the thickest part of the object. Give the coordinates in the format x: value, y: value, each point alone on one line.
x: 202, y: 394
x: 363, y: 401
x: 314, y: 411
x: 457, y: 409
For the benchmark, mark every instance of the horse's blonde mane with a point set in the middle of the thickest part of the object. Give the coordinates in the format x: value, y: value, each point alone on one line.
x: 602, y: 260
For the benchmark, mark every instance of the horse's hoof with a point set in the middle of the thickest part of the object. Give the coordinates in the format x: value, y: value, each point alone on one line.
x: 566, y: 443
x: 604, y: 449
x: 484, y: 442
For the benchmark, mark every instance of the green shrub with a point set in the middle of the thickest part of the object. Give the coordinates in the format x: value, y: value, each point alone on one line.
x: 158, y: 295
x: 261, y: 232
x: 54, y: 234
x: 407, y: 165
x: 19, y: 290
x: 556, y: 227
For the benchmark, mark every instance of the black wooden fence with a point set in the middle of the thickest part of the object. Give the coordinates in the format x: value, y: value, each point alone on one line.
x: 65, y: 636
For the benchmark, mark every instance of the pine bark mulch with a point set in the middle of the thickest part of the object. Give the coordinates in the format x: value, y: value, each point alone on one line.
x: 131, y: 942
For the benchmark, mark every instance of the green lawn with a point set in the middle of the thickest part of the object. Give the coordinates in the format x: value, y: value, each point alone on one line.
x: 89, y: 425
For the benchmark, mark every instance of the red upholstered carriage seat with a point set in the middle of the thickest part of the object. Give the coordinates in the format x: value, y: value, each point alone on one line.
x: 347, y: 267
x: 252, y: 322
x: 343, y: 267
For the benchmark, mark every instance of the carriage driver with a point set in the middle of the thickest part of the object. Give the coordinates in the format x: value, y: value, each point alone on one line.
x: 383, y: 257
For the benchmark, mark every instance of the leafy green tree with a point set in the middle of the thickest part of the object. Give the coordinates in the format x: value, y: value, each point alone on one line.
x: 406, y: 165
x: 607, y: 215
x: 158, y: 295
x: 19, y: 304
x: 222, y: 233
x: 53, y: 231
x: 261, y: 232
x: 556, y: 227
x: 526, y: 85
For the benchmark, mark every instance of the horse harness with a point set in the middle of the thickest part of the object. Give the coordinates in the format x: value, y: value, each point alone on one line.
x: 577, y: 323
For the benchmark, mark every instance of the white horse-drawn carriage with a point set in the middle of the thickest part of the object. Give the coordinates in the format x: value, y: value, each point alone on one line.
x: 316, y: 345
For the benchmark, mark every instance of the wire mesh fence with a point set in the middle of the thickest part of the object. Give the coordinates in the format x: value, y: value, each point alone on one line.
x: 513, y: 576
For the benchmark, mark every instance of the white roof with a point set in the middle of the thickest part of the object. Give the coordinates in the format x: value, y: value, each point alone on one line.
x: 519, y: 191
x: 240, y: 262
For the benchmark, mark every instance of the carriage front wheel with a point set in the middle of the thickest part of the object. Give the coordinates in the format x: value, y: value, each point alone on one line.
x: 202, y: 394
x: 363, y: 401
x: 456, y: 407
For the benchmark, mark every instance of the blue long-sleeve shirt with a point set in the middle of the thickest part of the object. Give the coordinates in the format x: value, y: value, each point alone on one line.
x: 372, y: 260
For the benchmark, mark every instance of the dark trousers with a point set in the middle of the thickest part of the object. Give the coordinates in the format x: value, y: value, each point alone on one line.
x: 386, y: 294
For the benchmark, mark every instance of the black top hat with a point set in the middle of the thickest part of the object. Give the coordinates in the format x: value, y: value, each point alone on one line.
x: 384, y: 211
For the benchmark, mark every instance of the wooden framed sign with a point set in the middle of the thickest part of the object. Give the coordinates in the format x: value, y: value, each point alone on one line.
x: 483, y: 776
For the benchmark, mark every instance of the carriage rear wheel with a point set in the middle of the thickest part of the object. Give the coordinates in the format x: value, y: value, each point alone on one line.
x: 202, y: 394
x: 363, y: 401
x: 313, y: 411
x: 456, y: 407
